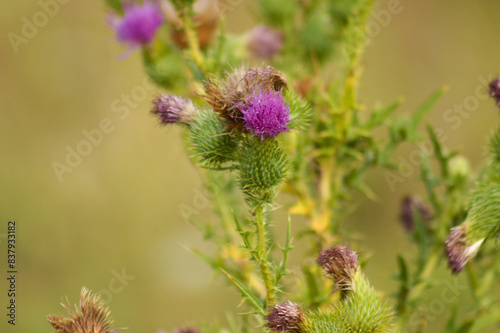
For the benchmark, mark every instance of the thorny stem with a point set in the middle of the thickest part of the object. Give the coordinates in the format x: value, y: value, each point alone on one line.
x: 262, y: 252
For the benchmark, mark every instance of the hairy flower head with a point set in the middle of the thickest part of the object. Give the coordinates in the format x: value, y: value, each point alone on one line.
x: 457, y: 249
x: 91, y: 316
x: 265, y: 42
x: 139, y: 24
x: 340, y: 262
x: 266, y: 114
x: 286, y: 317
x: 409, y: 206
x: 494, y: 90
x: 173, y: 109
x: 229, y: 95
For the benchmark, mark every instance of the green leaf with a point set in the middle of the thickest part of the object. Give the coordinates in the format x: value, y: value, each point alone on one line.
x: 247, y: 294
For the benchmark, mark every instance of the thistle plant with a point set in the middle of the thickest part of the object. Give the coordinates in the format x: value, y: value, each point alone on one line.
x: 276, y: 110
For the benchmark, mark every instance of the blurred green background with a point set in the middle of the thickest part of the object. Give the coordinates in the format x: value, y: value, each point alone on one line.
x: 118, y: 210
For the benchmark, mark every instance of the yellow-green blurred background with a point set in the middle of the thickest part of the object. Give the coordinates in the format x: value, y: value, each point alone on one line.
x: 119, y: 209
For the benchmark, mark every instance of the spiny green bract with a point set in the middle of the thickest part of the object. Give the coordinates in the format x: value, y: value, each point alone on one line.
x: 262, y: 167
x: 363, y: 310
x: 300, y: 110
x: 483, y: 219
x: 210, y: 142
x: 319, y: 322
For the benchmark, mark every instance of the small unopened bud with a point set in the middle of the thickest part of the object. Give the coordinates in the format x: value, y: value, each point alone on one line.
x: 173, y: 109
x: 459, y: 167
x: 265, y: 42
x: 458, y: 250
x: 494, y: 90
x: 340, y: 262
x: 286, y: 317
x: 410, y: 206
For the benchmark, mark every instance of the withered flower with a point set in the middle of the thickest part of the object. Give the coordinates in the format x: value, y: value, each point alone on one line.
x: 341, y: 263
x: 91, y: 316
x: 286, y: 317
x: 229, y: 96
x: 458, y: 250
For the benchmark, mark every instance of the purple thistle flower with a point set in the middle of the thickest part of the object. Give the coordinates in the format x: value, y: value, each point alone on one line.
x: 139, y: 24
x: 173, y: 109
x: 494, y: 90
x: 286, y: 317
x: 265, y: 42
x: 266, y: 114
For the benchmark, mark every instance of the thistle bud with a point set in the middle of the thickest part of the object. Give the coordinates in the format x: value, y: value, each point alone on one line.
x: 264, y: 42
x: 458, y: 251
x: 340, y: 262
x: 90, y: 316
x: 494, y: 90
x: 286, y: 317
x: 411, y: 206
x: 459, y: 168
x: 173, y: 109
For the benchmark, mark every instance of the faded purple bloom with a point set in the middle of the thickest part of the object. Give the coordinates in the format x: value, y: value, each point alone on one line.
x: 139, y: 24
x: 409, y: 206
x: 173, y: 109
x: 340, y: 263
x: 266, y: 114
x: 495, y: 90
x: 286, y: 317
x: 458, y: 249
x: 265, y: 42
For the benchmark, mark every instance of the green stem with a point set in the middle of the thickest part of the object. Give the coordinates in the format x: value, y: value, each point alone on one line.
x: 262, y: 252
x: 192, y: 39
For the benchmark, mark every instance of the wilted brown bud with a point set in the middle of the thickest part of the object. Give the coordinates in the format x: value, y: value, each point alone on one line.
x: 410, y: 206
x: 206, y: 21
x: 457, y: 249
x: 340, y: 263
x: 286, y: 317
x: 91, y: 316
x: 228, y: 96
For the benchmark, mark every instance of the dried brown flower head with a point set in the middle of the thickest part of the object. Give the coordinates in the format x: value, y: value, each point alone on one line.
x: 91, y: 316
x: 228, y: 96
x: 206, y: 21
x: 286, y: 317
x: 340, y: 263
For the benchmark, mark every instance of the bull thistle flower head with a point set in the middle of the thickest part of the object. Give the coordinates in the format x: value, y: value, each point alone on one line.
x: 139, y: 24
x: 409, y: 206
x: 458, y: 250
x: 91, y: 316
x: 265, y: 42
x: 482, y: 223
x: 266, y: 114
x: 286, y: 317
x: 494, y: 90
x: 173, y: 109
x: 229, y: 96
x: 341, y: 263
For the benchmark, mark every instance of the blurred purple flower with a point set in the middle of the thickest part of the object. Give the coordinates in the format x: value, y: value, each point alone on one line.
x: 173, y: 109
x: 265, y: 42
x: 266, y: 114
x: 139, y: 24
